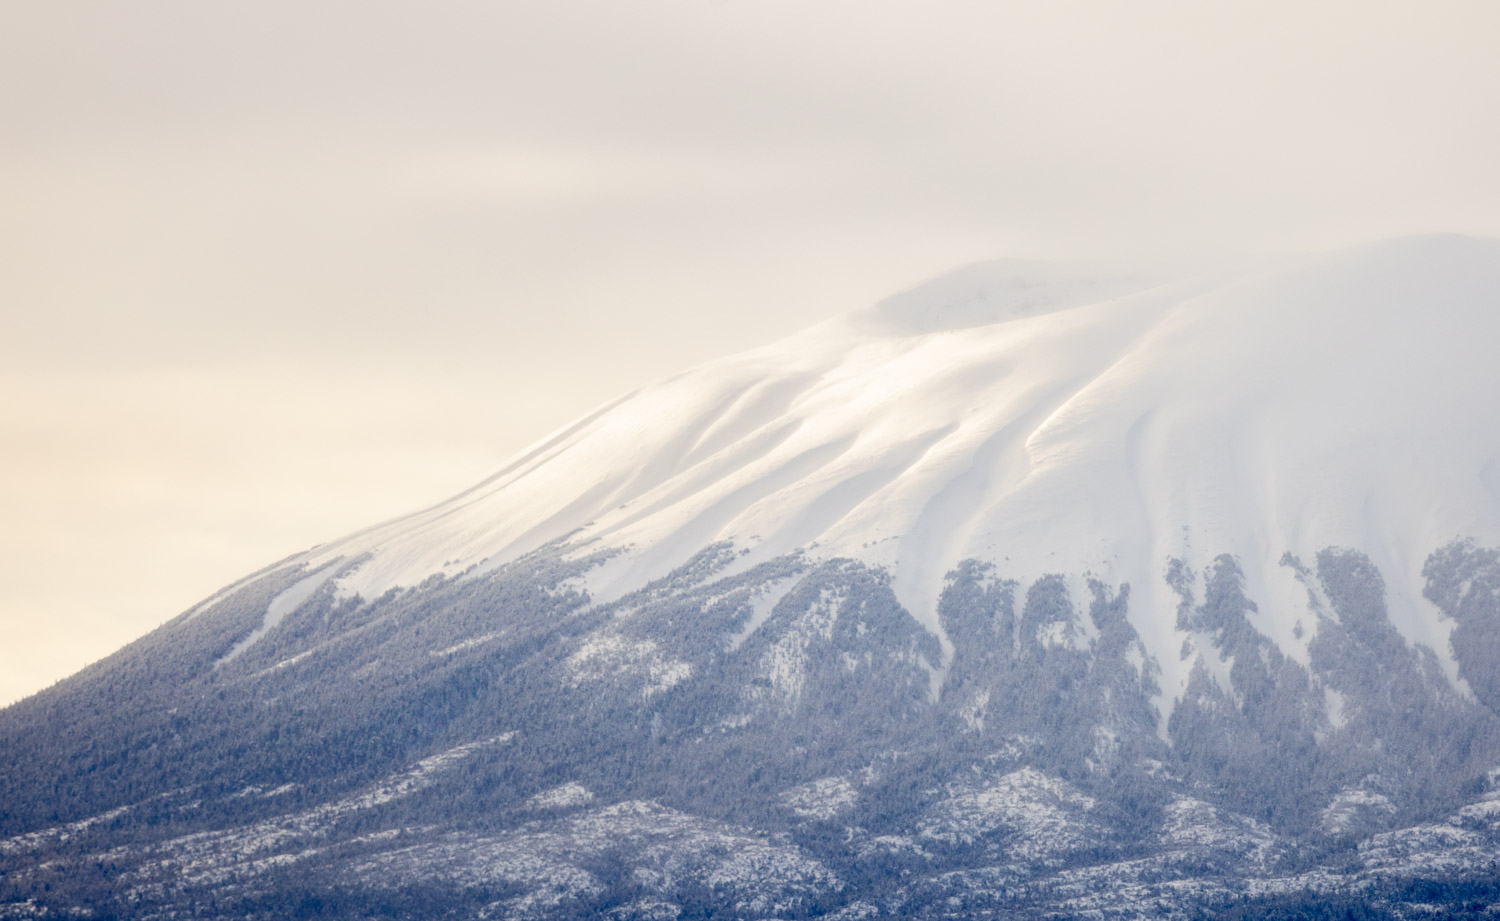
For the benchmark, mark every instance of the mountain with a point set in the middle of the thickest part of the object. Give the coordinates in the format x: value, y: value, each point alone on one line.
x: 1033, y: 591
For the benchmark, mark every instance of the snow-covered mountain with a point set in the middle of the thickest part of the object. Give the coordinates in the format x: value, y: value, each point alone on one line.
x: 1047, y: 419
x: 1033, y: 589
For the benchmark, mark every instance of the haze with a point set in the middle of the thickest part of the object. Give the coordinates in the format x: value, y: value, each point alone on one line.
x: 273, y: 271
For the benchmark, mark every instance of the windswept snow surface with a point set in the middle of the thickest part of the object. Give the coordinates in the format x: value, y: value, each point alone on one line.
x: 1046, y: 421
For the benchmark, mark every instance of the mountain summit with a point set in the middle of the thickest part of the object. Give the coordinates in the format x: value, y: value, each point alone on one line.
x: 1032, y: 590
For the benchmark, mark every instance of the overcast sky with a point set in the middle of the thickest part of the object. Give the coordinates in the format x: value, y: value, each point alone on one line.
x: 271, y: 271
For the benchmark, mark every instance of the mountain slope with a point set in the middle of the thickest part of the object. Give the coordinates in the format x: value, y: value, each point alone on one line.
x: 1336, y: 401
x: 1032, y: 591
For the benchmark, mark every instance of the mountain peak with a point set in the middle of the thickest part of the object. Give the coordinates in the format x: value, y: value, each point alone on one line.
x: 996, y: 291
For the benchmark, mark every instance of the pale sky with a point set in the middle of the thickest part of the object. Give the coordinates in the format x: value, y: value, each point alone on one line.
x: 271, y: 271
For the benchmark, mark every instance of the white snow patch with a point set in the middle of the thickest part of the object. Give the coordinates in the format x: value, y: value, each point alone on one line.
x: 212, y: 857
x: 763, y: 601
x: 973, y: 710
x: 280, y: 606
x: 822, y: 799
x: 1334, y: 706
x: 1352, y: 804
x: 607, y: 654
x: 416, y: 777
x: 1394, y: 848
x: 466, y: 644
x: 285, y: 663
x: 564, y: 797
x: 1193, y: 825
x: 32, y: 841
x: 1484, y: 815
x: 784, y: 665
x: 549, y: 860
x: 1046, y: 817
x: 1055, y: 635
